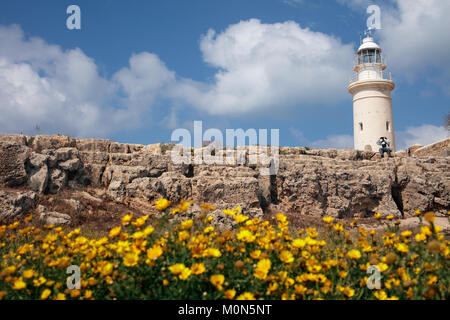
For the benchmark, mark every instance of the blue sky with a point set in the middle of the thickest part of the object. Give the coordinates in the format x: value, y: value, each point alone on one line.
x: 139, y: 69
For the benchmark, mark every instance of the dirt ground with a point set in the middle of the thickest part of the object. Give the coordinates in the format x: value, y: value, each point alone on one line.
x: 97, y: 214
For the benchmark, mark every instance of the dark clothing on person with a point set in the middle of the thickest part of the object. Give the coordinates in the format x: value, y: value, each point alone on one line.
x: 384, y: 143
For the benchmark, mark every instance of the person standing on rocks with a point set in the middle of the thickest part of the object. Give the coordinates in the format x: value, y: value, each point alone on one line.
x: 384, y: 143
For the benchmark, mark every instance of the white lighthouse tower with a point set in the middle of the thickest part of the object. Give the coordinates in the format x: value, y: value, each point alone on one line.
x: 371, y: 88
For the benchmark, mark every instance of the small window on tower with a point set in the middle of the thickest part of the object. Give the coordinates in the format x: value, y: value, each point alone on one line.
x: 361, y: 127
x: 388, y: 127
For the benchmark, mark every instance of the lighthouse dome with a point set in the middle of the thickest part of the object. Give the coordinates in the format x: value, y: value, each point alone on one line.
x: 368, y: 43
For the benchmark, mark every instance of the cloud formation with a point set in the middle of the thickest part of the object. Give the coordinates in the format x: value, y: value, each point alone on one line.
x: 265, y: 67
x: 416, y: 39
x: 260, y: 69
x: 62, y: 92
x: 414, y: 36
x: 423, y: 135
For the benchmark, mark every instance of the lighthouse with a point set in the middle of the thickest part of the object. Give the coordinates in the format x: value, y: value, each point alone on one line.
x: 371, y: 87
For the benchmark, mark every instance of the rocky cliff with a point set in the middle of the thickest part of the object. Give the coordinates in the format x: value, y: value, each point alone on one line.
x: 339, y: 183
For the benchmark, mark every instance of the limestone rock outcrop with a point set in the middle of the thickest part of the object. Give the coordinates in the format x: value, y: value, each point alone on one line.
x: 340, y: 183
x: 15, y: 203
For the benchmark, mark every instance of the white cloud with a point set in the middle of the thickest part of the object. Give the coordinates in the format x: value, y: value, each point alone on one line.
x: 342, y: 141
x: 62, y: 92
x: 171, y: 120
x: 423, y: 135
x: 270, y: 67
x: 144, y: 79
x: 356, y: 4
x: 294, y: 3
x: 336, y: 141
x: 260, y: 68
x: 40, y: 85
x: 415, y: 37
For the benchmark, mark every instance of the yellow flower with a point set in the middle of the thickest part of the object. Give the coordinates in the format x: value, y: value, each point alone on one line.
x: 130, y: 259
x: 255, y: 254
x: 198, y: 268
x: 328, y: 219
x: 246, y: 236
x: 183, y: 235
x: 354, y: 254
x: 382, y: 266
x: 60, y: 296
x: 246, y: 296
x: 299, y: 243
x: 390, y: 217
x: 154, y: 252
x: 208, y: 229
x: 377, y: 215
x: 127, y: 218
x: 406, y: 233
x: 88, y: 294
x: 28, y: 274
x: 45, y: 294
x: 240, y: 218
x: 349, y: 292
x: 417, y: 212
x: 420, y: 237
x: 177, y: 268
x: 401, y: 247
x: 138, y: 235
x: 338, y: 227
x: 28, y: 219
x: 212, y: 252
x: 140, y: 221
x: 19, y: 284
x: 107, y: 269
x: 115, y: 231
x: 229, y: 294
x: 148, y: 231
x: 381, y: 295
x: 14, y: 225
x: 74, y: 293
x: 281, y: 217
x: 185, y: 273
x: 186, y: 224
x: 426, y: 230
x: 229, y: 212
x: 162, y: 204
x: 206, y: 206
x: 217, y: 280
x: 262, y: 268
x: 39, y: 282
x: 286, y: 256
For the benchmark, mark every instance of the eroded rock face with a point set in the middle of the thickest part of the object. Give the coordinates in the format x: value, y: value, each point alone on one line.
x: 339, y: 183
x: 53, y: 218
x: 437, y: 149
x: 15, y: 203
x: 12, y: 163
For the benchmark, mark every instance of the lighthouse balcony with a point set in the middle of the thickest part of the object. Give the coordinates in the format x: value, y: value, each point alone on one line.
x: 370, y: 75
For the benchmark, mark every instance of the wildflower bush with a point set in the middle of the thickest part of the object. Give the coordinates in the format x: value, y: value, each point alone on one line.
x: 152, y: 258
